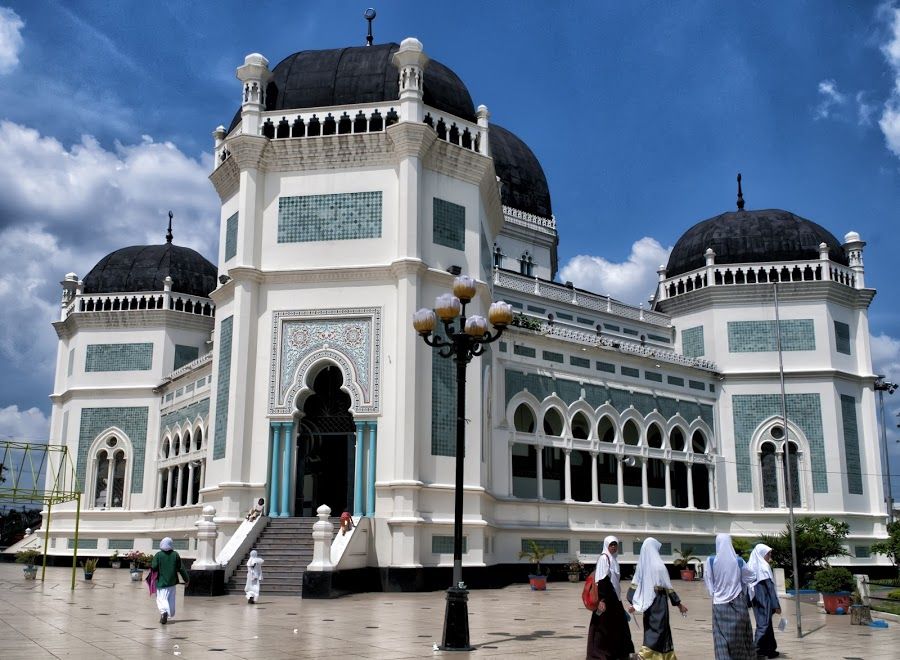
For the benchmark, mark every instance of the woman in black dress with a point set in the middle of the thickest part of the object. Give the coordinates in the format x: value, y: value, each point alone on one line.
x: 608, y: 635
x: 650, y: 593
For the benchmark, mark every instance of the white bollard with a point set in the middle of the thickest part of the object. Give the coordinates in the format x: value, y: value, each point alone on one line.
x: 206, y: 541
x: 862, y: 585
x: 323, y: 531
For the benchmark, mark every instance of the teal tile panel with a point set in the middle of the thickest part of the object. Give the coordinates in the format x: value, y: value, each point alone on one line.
x: 576, y: 361
x: 631, y: 372
x: 630, y: 331
x: 443, y: 405
x: 760, y: 336
x: 697, y: 385
x: 83, y: 544
x: 654, y: 376
x: 223, y: 388
x: 537, y: 310
x: 804, y: 410
x: 659, y: 338
x: 552, y: 356
x: 119, y: 357
x: 563, y: 315
x: 503, y: 347
x: 665, y: 548
x: 842, y: 338
x: 185, y: 354
x: 120, y: 544
x: 337, y: 217
x: 606, y: 367
x: 692, y: 342
x: 178, y: 544
x: 581, y: 319
x: 524, y: 351
x: 559, y: 546
x: 675, y: 380
x: 586, y: 547
x: 231, y: 227
x: 183, y: 415
x: 443, y: 545
x: 449, y: 224
x: 851, y: 445
x: 132, y: 421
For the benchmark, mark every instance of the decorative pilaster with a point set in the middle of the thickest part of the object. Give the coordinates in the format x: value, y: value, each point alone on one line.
x: 483, y: 116
x: 539, y: 456
x: 370, y: 465
x: 620, y: 482
x: 358, y: 470
x: 568, y: 474
x: 594, y: 494
x: 287, y: 461
x: 645, y: 495
x: 274, y: 475
x: 690, y: 485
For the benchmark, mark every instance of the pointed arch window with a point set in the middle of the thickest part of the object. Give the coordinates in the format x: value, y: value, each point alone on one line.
x: 109, y: 462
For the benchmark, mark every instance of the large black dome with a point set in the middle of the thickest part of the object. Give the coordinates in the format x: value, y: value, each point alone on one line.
x: 523, y: 184
x: 363, y: 74
x: 144, y: 267
x: 752, y: 237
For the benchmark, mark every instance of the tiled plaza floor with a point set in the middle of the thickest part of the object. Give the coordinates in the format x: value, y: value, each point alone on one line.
x: 112, y: 617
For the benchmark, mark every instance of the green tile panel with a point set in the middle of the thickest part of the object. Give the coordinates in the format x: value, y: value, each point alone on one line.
x: 563, y: 315
x: 537, y: 310
x: 579, y: 362
x: 606, y: 367
x: 653, y: 375
x: 443, y: 405
x: 586, y: 547
x: 120, y: 544
x: 675, y: 380
x: 842, y: 338
x: 851, y: 445
x: 132, y: 421
x: 760, y: 336
x: 524, y: 351
x: 697, y: 385
x: 177, y: 544
x: 449, y: 224
x: 659, y: 338
x: 692, y: 342
x: 585, y: 321
x: 559, y: 546
x: 631, y: 372
x: 185, y: 354
x: 336, y: 217
x: 552, y: 356
x: 610, y: 326
x: 630, y: 331
x: 119, y: 357
x: 83, y: 543
x: 231, y: 227
x: 443, y: 545
x: 804, y: 410
x: 223, y: 388
x: 184, y: 415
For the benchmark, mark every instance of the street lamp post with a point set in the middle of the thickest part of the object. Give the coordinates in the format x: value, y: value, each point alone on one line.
x: 464, y: 341
x: 882, y: 386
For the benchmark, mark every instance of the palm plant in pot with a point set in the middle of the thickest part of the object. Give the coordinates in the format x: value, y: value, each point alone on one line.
x: 114, y: 560
x: 836, y: 586
x: 684, y: 563
x: 90, y: 566
x: 536, y: 554
x: 28, y: 557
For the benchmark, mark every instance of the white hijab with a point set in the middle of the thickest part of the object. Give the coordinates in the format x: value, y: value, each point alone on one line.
x: 608, y: 566
x: 759, y: 566
x: 723, y: 576
x: 166, y: 544
x: 650, y: 573
x: 254, y: 564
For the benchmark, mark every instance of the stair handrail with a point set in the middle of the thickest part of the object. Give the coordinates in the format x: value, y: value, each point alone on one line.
x: 351, y: 550
x: 240, y: 543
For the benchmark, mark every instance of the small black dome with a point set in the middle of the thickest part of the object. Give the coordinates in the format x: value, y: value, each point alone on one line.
x: 364, y: 74
x: 144, y: 267
x: 761, y: 236
x: 523, y: 184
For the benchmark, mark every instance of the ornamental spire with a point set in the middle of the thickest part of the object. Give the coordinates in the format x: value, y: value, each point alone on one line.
x: 169, y: 233
x: 369, y: 15
x: 740, y: 199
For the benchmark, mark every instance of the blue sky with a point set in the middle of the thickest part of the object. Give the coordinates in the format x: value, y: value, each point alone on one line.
x: 641, y: 113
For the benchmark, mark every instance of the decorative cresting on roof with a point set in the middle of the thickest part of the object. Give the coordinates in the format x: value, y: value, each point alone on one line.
x: 740, y: 199
x: 347, y: 337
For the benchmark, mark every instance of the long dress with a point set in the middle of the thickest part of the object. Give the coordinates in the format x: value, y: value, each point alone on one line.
x: 658, y: 642
x: 609, y: 637
x: 765, y: 602
x: 254, y: 577
x: 732, y: 635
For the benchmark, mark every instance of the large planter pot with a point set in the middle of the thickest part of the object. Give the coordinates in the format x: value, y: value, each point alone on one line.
x: 30, y: 572
x: 115, y: 564
x: 88, y: 576
x: 136, y: 575
x: 837, y: 601
x: 860, y: 615
x: 538, y: 582
x: 574, y: 577
x: 687, y: 575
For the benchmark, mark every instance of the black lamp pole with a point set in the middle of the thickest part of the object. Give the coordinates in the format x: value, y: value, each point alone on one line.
x: 464, y: 342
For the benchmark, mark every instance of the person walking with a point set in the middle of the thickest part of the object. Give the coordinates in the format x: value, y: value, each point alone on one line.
x: 167, y: 564
x: 651, y: 589
x: 254, y: 577
x: 726, y: 576
x: 764, y: 598
x: 608, y: 635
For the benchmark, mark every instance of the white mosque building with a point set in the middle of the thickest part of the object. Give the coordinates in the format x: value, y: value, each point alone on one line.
x: 354, y: 184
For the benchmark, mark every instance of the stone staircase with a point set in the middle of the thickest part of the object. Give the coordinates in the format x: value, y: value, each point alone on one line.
x: 286, y: 546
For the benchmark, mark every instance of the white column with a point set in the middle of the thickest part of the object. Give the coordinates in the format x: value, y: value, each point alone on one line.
x: 690, y: 485
x: 509, y: 471
x: 779, y: 472
x: 710, y: 471
x: 667, y: 466
x: 568, y: 474
x: 620, y: 482
x: 645, y: 498
x: 540, y: 471
x: 159, y: 488
x: 202, y: 472
x: 179, y: 491
x: 169, y: 489
x: 110, y: 472
x: 594, y: 488
x: 190, y: 493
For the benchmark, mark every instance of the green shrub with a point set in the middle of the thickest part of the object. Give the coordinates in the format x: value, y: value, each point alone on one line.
x: 28, y: 556
x: 833, y: 580
x: 894, y: 595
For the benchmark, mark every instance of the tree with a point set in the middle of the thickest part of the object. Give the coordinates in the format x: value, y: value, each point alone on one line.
x: 818, y: 540
x: 890, y: 547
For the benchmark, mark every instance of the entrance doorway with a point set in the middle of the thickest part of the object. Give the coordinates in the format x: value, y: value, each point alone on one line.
x: 325, y: 448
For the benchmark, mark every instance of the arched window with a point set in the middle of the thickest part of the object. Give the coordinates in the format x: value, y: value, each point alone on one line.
x: 182, y: 469
x: 198, y: 439
x: 654, y: 436
x: 553, y: 423
x: 606, y: 431
x: 769, y: 472
x: 630, y: 433
x: 581, y: 428
x: 795, y: 472
x: 523, y: 419
x: 698, y: 443
x: 109, y: 473
x: 676, y: 439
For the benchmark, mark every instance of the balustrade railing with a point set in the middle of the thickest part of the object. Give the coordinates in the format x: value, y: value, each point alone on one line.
x: 524, y: 219
x: 150, y: 300
x: 338, y: 120
x: 455, y: 130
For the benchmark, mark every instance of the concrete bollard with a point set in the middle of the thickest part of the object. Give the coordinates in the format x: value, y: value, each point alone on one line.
x: 323, y: 531
x: 206, y: 540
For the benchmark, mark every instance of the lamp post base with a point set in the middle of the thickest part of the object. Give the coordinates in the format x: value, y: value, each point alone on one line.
x: 456, y: 621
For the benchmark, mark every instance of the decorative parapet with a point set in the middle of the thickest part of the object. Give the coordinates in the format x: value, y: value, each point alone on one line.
x: 524, y: 219
x: 147, y: 300
x: 189, y: 367
x: 570, y: 295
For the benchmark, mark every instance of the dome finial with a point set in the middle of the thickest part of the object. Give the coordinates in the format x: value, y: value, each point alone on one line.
x: 740, y: 199
x: 169, y: 233
x: 369, y: 15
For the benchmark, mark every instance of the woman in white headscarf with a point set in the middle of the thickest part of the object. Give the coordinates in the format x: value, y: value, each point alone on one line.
x: 167, y: 564
x: 726, y: 577
x: 764, y: 598
x: 608, y: 635
x: 649, y: 593
x: 254, y: 577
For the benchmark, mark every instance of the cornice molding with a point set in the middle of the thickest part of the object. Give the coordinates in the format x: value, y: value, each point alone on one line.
x: 137, y: 319
x: 226, y: 179
x: 329, y: 152
x: 247, y: 150
x: 411, y: 139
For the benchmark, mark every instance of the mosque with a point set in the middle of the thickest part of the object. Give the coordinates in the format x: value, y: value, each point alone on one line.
x: 355, y: 183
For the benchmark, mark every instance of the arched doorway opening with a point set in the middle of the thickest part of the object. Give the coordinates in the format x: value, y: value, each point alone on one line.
x: 325, y: 447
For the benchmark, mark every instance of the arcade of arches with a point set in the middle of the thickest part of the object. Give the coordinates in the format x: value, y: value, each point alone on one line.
x: 627, y: 466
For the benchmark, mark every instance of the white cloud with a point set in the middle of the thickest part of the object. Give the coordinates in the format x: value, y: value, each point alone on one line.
x: 830, y: 99
x: 11, y: 41
x: 633, y: 280
x: 864, y: 110
x: 886, y: 356
x: 29, y: 425
x: 890, y: 115
x: 61, y: 210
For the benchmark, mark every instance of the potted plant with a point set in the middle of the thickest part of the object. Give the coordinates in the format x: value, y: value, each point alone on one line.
x: 535, y: 554
x: 575, y: 569
x: 137, y: 562
x: 683, y: 563
x: 114, y: 560
x: 835, y: 585
x: 860, y: 613
x: 28, y: 557
x: 89, y: 565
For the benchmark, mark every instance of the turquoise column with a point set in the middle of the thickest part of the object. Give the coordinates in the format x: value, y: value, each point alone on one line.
x: 373, y: 446
x: 274, y: 428
x: 287, y: 447
x: 358, y: 470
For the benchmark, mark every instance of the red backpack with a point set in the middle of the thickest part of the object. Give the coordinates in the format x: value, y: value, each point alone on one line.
x: 589, y: 595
